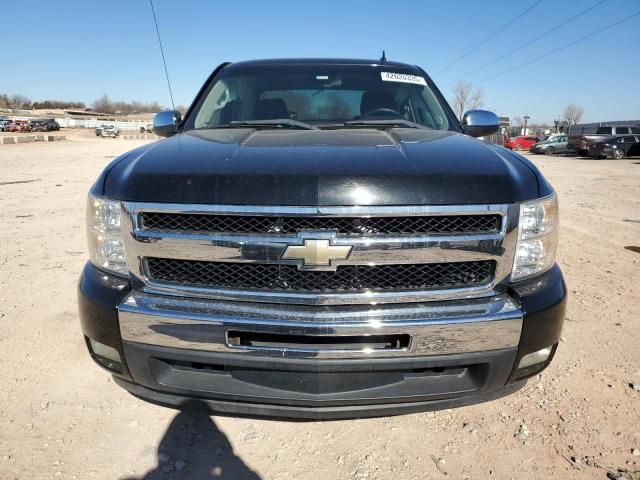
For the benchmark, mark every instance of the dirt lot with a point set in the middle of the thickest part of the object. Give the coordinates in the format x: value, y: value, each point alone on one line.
x: 63, y: 417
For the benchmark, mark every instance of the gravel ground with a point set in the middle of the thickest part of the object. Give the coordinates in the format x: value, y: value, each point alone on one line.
x: 63, y: 417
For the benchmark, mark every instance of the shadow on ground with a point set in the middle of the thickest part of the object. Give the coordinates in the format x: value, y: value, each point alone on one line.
x: 193, y: 447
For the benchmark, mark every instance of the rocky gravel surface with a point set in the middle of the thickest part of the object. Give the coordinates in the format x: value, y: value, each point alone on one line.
x: 63, y: 417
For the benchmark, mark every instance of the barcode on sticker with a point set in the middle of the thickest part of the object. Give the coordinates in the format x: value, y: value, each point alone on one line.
x: 402, y: 77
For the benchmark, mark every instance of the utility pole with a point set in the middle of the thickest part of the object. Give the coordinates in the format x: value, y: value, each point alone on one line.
x: 525, y: 118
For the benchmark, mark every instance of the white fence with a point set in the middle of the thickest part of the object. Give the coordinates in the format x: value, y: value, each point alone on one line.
x: 91, y: 123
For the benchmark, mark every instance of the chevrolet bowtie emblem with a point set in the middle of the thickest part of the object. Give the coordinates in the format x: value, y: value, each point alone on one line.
x: 316, y: 254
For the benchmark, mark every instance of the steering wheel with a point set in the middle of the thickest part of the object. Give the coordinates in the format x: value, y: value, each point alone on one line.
x: 381, y: 110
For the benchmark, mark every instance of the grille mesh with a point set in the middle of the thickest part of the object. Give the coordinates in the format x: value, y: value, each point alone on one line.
x: 343, y: 225
x: 347, y: 278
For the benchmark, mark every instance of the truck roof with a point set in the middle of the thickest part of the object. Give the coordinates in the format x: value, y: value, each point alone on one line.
x: 320, y: 61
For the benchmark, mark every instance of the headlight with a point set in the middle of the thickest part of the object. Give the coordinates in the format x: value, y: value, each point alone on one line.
x: 106, y: 248
x: 537, y: 238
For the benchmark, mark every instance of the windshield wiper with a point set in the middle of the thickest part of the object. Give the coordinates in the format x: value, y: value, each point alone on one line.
x: 276, y: 122
x: 392, y: 122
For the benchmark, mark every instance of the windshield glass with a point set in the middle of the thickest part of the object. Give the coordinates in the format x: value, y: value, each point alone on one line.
x: 321, y: 95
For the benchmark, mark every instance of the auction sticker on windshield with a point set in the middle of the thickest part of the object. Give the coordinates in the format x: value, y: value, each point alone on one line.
x: 402, y: 77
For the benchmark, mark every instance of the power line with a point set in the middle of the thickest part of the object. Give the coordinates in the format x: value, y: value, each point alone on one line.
x: 556, y: 50
x: 164, y: 62
x: 526, y: 44
x: 492, y: 36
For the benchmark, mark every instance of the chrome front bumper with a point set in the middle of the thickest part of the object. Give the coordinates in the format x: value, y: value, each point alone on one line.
x: 434, y: 328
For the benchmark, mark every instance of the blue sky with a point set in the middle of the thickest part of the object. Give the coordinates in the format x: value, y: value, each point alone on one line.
x: 80, y: 49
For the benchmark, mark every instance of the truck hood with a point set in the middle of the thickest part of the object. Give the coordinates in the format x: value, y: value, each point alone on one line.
x: 320, y: 167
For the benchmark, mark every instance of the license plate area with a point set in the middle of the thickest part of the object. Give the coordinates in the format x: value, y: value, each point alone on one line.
x: 317, y: 343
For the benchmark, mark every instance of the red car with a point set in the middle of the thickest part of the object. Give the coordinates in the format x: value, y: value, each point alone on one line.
x: 521, y: 143
x: 19, y: 126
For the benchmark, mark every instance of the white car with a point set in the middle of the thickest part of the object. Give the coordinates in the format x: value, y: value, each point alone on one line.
x: 109, y: 131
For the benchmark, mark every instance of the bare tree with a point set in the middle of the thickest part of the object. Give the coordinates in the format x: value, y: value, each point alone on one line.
x: 466, y: 97
x: 572, y: 114
x: 516, y: 124
x: 57, y: 104
x: 103, y: 105
x: 14, y: 101
x: 182, y: 109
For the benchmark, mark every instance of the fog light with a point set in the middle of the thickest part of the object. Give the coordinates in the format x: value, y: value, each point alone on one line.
x: 534, y: 358
x: 533, y: 363
x: 106, y: 356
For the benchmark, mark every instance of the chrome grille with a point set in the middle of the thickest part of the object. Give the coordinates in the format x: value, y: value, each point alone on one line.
x: 243, y: 224
x: 397, y: 254
x: 346, y: 278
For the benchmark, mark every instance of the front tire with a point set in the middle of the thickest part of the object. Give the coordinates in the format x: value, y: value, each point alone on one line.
x: 518, y: 148
x: 549, y: 151
x: 618, y: 154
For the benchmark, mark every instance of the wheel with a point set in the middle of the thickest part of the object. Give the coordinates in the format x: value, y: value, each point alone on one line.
x: 548, y: 151
x: 618, y: 154
x: 142, y: 130
x: 518, y: 148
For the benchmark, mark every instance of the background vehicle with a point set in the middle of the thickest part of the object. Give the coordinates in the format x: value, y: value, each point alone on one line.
x: 4, y: 123
x: 521, y: 143
x: 617, y: 147
x: 19, y: 126
x: 51, y: 125
x: 44, y: 125
x: 551, y: 146
x: 579, y: 142
x: 147, y: 129
x: 110, y: 130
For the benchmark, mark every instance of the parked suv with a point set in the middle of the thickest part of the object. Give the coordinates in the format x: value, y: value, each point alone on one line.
x: 520, y: 143
x: 369, y: 257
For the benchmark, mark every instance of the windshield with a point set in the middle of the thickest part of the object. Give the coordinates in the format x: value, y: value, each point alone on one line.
x: 321, y: 95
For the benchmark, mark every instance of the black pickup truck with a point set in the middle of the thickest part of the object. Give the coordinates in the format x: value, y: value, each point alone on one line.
x: 321, y: 239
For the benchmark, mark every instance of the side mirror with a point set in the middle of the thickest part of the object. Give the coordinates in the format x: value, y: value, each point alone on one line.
x: 165, y: 124
x: 480, y: 123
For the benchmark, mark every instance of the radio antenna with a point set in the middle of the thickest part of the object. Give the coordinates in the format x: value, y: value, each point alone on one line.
x: 383, y: 58
x: 164, y: 62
